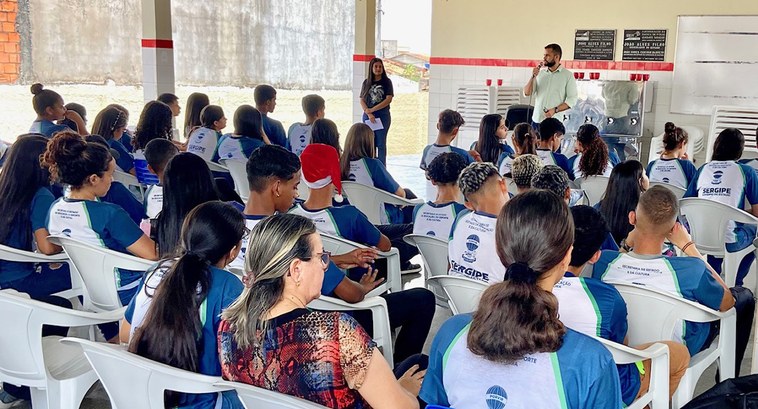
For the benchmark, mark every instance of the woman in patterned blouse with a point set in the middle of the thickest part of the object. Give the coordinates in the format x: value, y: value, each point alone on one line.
x: 270, y: 339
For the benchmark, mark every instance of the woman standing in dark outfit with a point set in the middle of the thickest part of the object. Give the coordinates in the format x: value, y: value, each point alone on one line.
x: 376, y: 96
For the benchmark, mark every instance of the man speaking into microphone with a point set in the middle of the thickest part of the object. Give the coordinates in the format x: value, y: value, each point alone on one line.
x: 554, y: 89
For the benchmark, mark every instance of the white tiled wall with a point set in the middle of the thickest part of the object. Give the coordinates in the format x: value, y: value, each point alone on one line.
x: 359, y: 74
x: 444, y: 81
x: 157, y: 72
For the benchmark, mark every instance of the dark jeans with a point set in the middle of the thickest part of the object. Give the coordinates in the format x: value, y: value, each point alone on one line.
x: 410, y: 310
x: 380, y: 136
x: 396, y: 232
x: 744, y: 305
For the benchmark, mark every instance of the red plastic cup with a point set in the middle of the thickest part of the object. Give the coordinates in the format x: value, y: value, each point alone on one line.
x: 576, y: 75
x: 645, y: 77
x: 489, y: 82
x: 581, y: 75
x: 632, y: 77
x: 639, y: 77
x: 499, y: 82
x: 594, y: 75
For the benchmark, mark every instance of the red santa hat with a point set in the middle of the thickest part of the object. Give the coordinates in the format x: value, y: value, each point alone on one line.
x: 321, y: 166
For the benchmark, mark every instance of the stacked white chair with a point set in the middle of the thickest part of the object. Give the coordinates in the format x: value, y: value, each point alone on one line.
x: 653, y: 315
x: 238, y: 170
x: 433, y: 251
x: 258, y: 398
x: 368, y: 198
x: 132, y: 381
x: 58, y: 376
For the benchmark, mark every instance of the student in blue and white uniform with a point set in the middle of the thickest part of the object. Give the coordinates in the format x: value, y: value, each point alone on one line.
x: 299, y: 133
x: 359, y: 164
x: 49, y: 107
x: 203, y: 140
x: 110, y: 123
x: 592, y: 157
x: 158, y: 153
x: 595, y: 308
x: 752, y: 162
x: 325, y: 131
x: 210, y: 239
x: 155, y: 122
x: 265, y: 102
x: 436, y: 218
x: 514, y: 348
x: 687, y: 277
x: 196, y: 102
x: 448, y: 125
x: 726, y: 181
x: 491, y: 145
x: 248, y: 135
x: 472, y: 237
x: 673, y: 167
x: 525, y: 142
x: 549, y: 143
x: 88, y: 168
x: 523, y: 170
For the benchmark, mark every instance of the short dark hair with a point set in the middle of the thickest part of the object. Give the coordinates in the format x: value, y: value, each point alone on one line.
x: 729, y: 145
x: 551, y: 178
x: 549, y: 127
x: 446, y: 168
x: 263, y: 93
x: 159, y: 152
x: 659, y: 208
x: 449, y: 120
x: 590, y: 231
x: 270, y: 161
x: 555, y: 48
x: 313, y: 103
x: 167, y: 98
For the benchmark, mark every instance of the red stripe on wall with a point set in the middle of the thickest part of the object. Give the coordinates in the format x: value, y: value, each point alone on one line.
x: 579, y: 65
x: 362, y: 57
x: 157, y: 43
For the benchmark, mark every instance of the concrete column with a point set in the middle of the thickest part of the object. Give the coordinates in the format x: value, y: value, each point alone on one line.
x: 363, y: 49
x: 157, y: 49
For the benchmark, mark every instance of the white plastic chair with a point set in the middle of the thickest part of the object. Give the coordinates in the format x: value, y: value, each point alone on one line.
x: 676, y: 190
x: 462, y: 293
x: 652, y: 316
x: 382, y: 332
x: 695, y: 144
x: 129, y: 180
x: 303, y: 191
x: 512, y: 188
x: 21, y: 256
x: 259, y: 398
x: 594, y: 187
x: 97, y: 267
x: 368, y: 198
x: 132, y: 381
x: 433, y: 251
x: 338, y: 245
x: 708, y: 221
x: 58, y: 376
x: 658, y: 393
x: 238, y: 170
x: 215, y: 167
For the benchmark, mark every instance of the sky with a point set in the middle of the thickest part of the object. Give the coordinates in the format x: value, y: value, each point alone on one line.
x: 409, y: 22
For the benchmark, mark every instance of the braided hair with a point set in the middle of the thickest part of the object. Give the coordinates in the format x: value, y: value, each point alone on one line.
x: 474, y: 176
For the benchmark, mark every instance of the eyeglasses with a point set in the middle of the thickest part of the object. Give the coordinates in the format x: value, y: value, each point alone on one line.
x: 325, y: 256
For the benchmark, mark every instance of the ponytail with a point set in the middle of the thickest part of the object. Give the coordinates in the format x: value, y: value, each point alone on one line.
x: 674, y: 137
x: 525, y: 138
x: 594, y: 160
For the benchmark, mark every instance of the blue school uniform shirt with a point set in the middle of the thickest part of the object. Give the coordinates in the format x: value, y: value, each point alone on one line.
x: 581, y: 374
x: 47, y: 128
x: 346, y: 221
x: 275, y: 131
x: 434, y: 219
x: 472, y: 248
x: 573, y: 164
x: 299, y: 136
x: 371, y: 172
x: 38, y: 210
x: 236, y: 147
x: 676, y: 172
x: 125, y: 160
x: 685, y: 277
x: 126, y: 140
x: 224, y: 288
x: 101, y: 224
x: 434, y: 150
x: 753, y: 163
x: 203, y: 141
x: 592, y: 307
x: 120, y: 195
x: 549, y: 157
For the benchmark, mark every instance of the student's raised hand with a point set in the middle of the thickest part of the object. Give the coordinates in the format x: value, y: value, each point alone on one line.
x: 684, y: 156
x: 73, y: 115
x: 356, y: 258
x: 369, y: 281
x: 679, y: 236
x: 412, y: 379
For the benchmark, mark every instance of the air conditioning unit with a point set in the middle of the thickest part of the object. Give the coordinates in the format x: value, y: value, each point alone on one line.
x: 473, y: 103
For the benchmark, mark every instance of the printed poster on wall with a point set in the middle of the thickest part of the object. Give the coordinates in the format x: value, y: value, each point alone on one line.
x: 594, y: 44
x: 644, y: 45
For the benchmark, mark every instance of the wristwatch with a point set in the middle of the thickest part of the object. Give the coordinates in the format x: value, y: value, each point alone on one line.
x: 555, y: 110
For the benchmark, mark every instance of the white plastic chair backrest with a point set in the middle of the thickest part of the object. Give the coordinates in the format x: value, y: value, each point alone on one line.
x: 708, y: 222
x: 594, y: 187
x: 676, y: 190
x: 433, y: 252
x: 303, y: 191
x: 126, y: 179
x: 695, y: 143
x: 339, y: 245
x: 463, y: 293
x: 21, y: 359
x: 132, y: 381
x: 652, y: 314
x: 259, y: 398
x: 512, y: 188
x: 366, y: 198
x: 215, y: 167
x: 8, y: 253
x: 238, y: 170
x: 97, y: 268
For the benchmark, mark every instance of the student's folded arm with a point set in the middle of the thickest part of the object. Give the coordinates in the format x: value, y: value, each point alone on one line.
x: 727, y: 301
x: 754, y: 210
x: 44, y: 246
x: 145, y: 248
x: 349, y: 291
x: 384, y: 243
